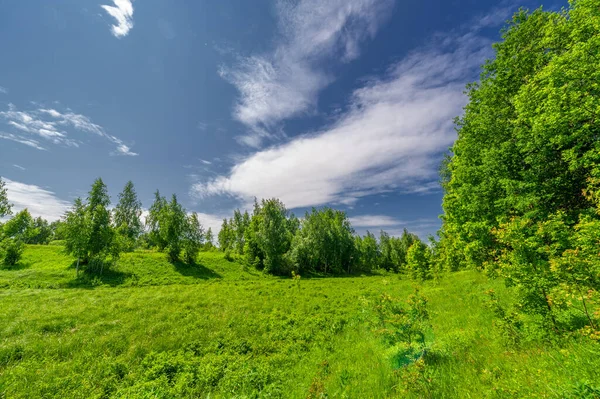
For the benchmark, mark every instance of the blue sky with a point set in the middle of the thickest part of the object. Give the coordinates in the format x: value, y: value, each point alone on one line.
x: 347, y: 103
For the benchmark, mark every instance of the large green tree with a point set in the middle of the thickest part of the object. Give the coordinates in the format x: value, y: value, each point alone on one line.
x: 89, y: 233
x: 268, y: 236
x: 324, y: 242
x: 127, y: 215
x: 154, y: 219
x: 520, y: 180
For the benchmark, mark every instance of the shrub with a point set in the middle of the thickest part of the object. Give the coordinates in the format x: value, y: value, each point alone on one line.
x: 12, y: 250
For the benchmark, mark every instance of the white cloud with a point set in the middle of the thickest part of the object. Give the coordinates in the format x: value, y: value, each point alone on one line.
x: 393, y: 226
x: 285, y: 82
x: 28, y: 142
x: 50, y: 125
x: 19, y: 167
x: 3, y: 90
x: 213, y: 221
x: 373, y: 221
x: 122, y: 11
x: 122, y: 149
x: 39, y: 201
x: 205, y: 162
x: 389, y: 139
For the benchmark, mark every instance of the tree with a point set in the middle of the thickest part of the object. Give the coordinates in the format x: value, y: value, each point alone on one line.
x: 418, y: 261
x: 13, y: 234
x: 226, y: 236
x: 368, y: 252
x: 20, y: 227
x: 237, y: 229
x: 192, y: 238
x: 57, y: 229
x: 324, y: 242
x: 127, y: 215
x: 208, y: 243
x: 88, y: 229
x: 521, y: 204
x: 385, y: 249
x: 41, y: 231
x: 5, y: 205
x: 172, y: 227
x: 273, y: 236
x: 101, y: 233
x: 76, y: 232
x: 154, y: 219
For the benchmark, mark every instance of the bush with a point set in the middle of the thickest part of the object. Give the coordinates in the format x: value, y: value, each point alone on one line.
x: 418, y: 261
x: 12, y: 250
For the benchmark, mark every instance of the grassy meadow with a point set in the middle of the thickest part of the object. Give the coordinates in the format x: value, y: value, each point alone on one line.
x: 152, y: 329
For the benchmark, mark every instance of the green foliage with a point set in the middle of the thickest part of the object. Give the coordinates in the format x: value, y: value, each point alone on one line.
x: 226, y: 236
x: 524, y: 205
x: 271, y: 236
x: 11, y: 251
x: 400, y: 324
x: 193, y: 237
x: 171, y: 230
x: 126, y: 219
x: 20, y: 226
x: 209, y: 239
x: 42, y: 232
x: 393, y: 250
x: 5, y: 206
x: 324, y: 243
x: 89, y: 234
x: 173, y: 227
x: 76, y: 231
x: 418, y: 261
x: 154, y: 220
x: 101, y: 234
x: 367, y: 252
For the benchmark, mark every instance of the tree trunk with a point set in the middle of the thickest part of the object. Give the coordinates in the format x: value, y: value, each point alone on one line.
x: 586, y: 309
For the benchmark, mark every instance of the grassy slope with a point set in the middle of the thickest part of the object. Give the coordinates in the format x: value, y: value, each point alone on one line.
x: 190, y: 330
x: 48, y: 267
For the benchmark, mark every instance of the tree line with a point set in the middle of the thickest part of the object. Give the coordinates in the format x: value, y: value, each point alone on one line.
x: 323, y: 241
x: 271, y: 239
x: 522, y: 182
x: 96, y: 235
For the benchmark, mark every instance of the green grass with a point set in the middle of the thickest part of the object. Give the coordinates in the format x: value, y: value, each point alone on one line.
x: 49, y: 267
x: 156, y: 330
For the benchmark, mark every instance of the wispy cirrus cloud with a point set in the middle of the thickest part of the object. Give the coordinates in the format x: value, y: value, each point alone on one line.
x: 17, y: 139
x: 51, y: 125
x: 3, y: 90
x: 39, y: 201
x: 122, y: 12
x: 286, y: 81
x: 390, y: 138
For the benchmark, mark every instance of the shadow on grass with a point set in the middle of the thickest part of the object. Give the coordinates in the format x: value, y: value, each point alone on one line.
x: 89, y: 279
x: 18, y: 266
x: 197, y: 270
